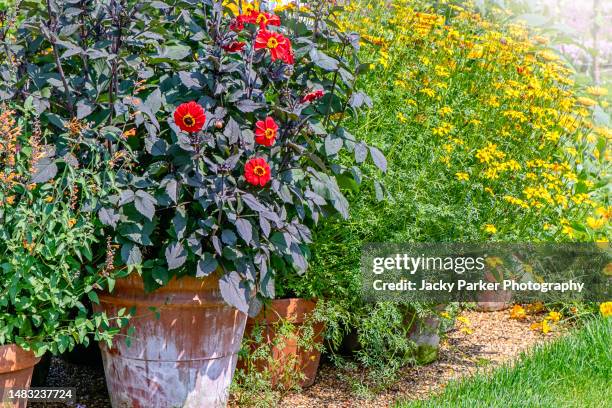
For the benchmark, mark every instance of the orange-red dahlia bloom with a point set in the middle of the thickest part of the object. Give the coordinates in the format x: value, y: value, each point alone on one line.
x: 266, y: 132
x: 313, y: 96
x: 257, y: 172
x: 237, y: 24
x: 189, y: 117
x: 263, y: 19
x: 278, y: 44
x: 236, y: 46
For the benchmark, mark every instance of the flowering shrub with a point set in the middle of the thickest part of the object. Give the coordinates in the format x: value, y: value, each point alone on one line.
x: 500, y: 120
x: 215, y: 135
x: 46, y: 237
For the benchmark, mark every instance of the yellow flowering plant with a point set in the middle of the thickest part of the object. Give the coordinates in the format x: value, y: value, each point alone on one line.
x: 497, y: 117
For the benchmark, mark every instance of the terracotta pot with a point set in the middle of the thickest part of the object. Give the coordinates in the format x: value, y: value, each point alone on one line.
x: 493, y: 300
x: 290, y: 358
x: 185, y: 358
x: 16, y: 366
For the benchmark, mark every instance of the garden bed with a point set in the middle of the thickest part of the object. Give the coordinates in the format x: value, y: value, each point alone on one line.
x: 485, y: 341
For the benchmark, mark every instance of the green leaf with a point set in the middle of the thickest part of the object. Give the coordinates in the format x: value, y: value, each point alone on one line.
x: 245, y: 229
x: 44, y: 170
x: 170, y: 53
x: 84, y: 109
x: 234, y: 291
x: 130, y: 254
x: 93, y: 296
x: 176, y: 255
x: 379, y: 159
x: 323, y: 60
x: 206, y: 265
x: 145, y: 204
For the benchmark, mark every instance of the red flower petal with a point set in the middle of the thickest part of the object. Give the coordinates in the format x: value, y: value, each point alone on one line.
x: 189, y: 117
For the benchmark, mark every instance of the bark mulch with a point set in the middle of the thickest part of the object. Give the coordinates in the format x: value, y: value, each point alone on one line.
x: 490, y: 339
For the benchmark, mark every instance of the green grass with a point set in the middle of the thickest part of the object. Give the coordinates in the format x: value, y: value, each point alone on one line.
x: 574, y: 371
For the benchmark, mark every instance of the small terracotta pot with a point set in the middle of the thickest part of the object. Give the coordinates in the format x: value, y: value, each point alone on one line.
x: 185, y: 358
x: 493, y: 300
x: 291, y: 358
x: 16, y: 366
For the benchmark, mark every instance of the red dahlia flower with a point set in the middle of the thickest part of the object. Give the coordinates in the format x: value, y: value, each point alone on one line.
x: 238, y: 23
x: 236, y: 46
x: 266, y: 132
x: 190, y: 117
x: 257, y: 172
x: 263, y: 19
x: 279, y: 45
x: 289, y: 57
x: 313, y: 96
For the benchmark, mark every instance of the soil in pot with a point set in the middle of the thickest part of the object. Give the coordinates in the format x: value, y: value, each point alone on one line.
x: 16, y: 367
x: 184, y: 347
x: 287, y: 357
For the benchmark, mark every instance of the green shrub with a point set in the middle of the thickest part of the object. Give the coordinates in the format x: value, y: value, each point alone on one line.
x: 47, y: 244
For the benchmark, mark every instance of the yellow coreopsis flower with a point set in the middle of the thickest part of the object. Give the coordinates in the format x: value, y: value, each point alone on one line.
x: 518, y: 312
x: 595, y: 223
x: 490, y: 228
x: 549, y: 55
x: 597, y: 91
x: 545, y: 326
x: 604, y: 212
x: 569, y: 231
x: 400, y: 116
x: 583, y: 100
x: 553, y: 316
x: 444, y: 111
x: 606, y: 309
x: 462, y: 176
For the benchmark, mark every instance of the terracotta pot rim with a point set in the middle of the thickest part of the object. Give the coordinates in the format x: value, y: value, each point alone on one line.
x: 13, y: 358
x: 176, y: 284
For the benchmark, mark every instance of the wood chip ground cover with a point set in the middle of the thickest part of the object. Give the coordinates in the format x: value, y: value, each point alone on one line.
x: 494, y: 339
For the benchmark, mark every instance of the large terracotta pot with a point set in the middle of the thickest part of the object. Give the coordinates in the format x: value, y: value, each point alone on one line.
x: 291, y: 357
x: 16, y: 366
x: 185, y: 358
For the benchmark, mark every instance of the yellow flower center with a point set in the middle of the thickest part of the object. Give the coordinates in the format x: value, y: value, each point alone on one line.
x: 188, y: 120
x: 270, y: 133
x: 272, y: 43
x: 259, y: 171
x: 261, y: 18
